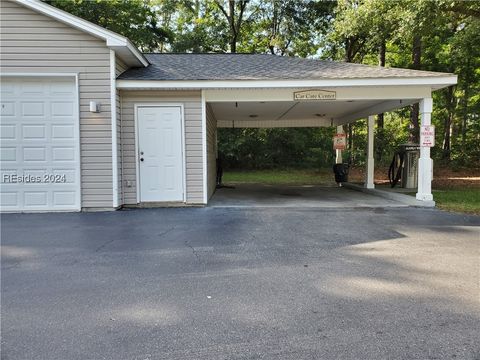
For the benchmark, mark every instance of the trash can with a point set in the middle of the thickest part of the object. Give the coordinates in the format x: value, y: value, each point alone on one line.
x: 341, y: 173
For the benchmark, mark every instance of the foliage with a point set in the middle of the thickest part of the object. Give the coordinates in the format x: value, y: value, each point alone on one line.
x: 289, y: 27
x: 274, y: 148
x: 448, y: 34
x: 279, y: 27
x: 198, y: 26
x: 135, y: 19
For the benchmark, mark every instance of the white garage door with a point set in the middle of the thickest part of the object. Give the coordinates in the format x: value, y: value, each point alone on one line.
x: 39, y: 134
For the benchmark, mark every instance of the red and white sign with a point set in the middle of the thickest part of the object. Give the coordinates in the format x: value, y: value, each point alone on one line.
x: 339, y: 142
x: 427, y: 136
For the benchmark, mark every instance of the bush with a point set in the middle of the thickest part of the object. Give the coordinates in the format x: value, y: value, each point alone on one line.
x: 275, y: 148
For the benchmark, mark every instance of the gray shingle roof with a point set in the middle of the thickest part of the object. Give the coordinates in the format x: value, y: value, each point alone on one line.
x: 257, y: 67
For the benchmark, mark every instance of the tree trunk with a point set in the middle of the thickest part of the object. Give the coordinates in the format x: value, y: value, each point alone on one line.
x: 234, y: 20
x: 466, y: 94
x: 414, y: 113
x: 273, y: 34
x: 380, y: 120
x: 417, y: 52
x: 233, y: 46
x: 414, y: 126
x: 231, y: 20
x: 446, y: 137
x: 447, y: 131
x: 382, y: 50
x: 350, y: 137
x: 349, y: 49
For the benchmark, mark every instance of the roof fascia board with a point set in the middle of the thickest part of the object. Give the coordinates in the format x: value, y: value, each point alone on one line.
x: 133, y: 49
x: 434, y: 81
x: 112, y: 39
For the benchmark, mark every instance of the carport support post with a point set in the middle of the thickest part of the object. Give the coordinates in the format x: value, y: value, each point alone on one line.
x: 425, y: 163
x: 369, y: 178
x: 338, y: 153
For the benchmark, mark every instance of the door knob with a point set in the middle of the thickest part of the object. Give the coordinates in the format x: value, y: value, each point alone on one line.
x: 141, y: 159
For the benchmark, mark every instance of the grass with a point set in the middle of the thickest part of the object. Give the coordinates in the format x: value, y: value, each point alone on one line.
x: 288, y: 177
x: 459, y: 200
x: 453, y: 197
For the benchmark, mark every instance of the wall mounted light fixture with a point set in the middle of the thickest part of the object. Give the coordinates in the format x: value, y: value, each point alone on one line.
x: 94, y: 107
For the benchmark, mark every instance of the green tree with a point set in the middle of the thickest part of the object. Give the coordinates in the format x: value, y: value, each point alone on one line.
x: 134, y: 19
x: 426, y: 35
x: 234, y: 12
x: 198, y: 27
x: 289, y: 27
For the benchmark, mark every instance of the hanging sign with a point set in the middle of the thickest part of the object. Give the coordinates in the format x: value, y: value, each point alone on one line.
x: 427, y: 136
x: 308, y: 95
x: 339, y: 142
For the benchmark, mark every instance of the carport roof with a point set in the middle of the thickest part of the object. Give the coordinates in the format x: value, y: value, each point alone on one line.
x: 260, y: 67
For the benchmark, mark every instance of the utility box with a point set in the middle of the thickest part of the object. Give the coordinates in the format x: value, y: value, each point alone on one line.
x: 410, y: 165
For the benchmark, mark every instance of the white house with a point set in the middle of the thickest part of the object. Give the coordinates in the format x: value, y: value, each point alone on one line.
x: 89, y: 122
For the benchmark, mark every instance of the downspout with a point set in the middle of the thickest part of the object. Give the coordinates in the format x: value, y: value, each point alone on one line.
x: 121, y: 149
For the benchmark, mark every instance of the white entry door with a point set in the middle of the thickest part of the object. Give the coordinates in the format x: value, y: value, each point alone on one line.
x: 160, y: 153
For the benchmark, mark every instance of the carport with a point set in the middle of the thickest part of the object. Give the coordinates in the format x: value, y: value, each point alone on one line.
x: 291, y: 108
x: 321, y: 94
x: 265, y: 91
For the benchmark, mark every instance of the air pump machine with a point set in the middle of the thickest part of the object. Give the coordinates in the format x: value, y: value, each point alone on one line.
x: 404, y: 166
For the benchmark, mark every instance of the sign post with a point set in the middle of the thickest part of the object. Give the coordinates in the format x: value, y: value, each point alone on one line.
x: 427, y: 136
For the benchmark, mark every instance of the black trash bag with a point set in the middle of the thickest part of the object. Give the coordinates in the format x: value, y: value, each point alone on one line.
x: 341, y: 172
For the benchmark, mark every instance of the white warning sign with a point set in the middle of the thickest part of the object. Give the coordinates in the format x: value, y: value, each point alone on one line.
x: 427, y: 136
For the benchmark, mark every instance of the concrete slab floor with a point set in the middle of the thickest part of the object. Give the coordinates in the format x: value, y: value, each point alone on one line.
x: 401, y: 198
x: 296, y: 196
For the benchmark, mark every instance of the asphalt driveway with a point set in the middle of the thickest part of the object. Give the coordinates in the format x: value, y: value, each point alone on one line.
x: 220, y: 283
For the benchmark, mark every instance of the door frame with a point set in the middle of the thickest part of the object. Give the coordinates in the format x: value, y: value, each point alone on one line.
x: 77, y: 130
x: 182, y: 129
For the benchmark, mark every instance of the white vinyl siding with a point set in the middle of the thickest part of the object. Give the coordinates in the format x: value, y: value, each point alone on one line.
x: 35, y: 43
x: 211, y: 151
x: 120, y: 66
x: 191, y: 101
